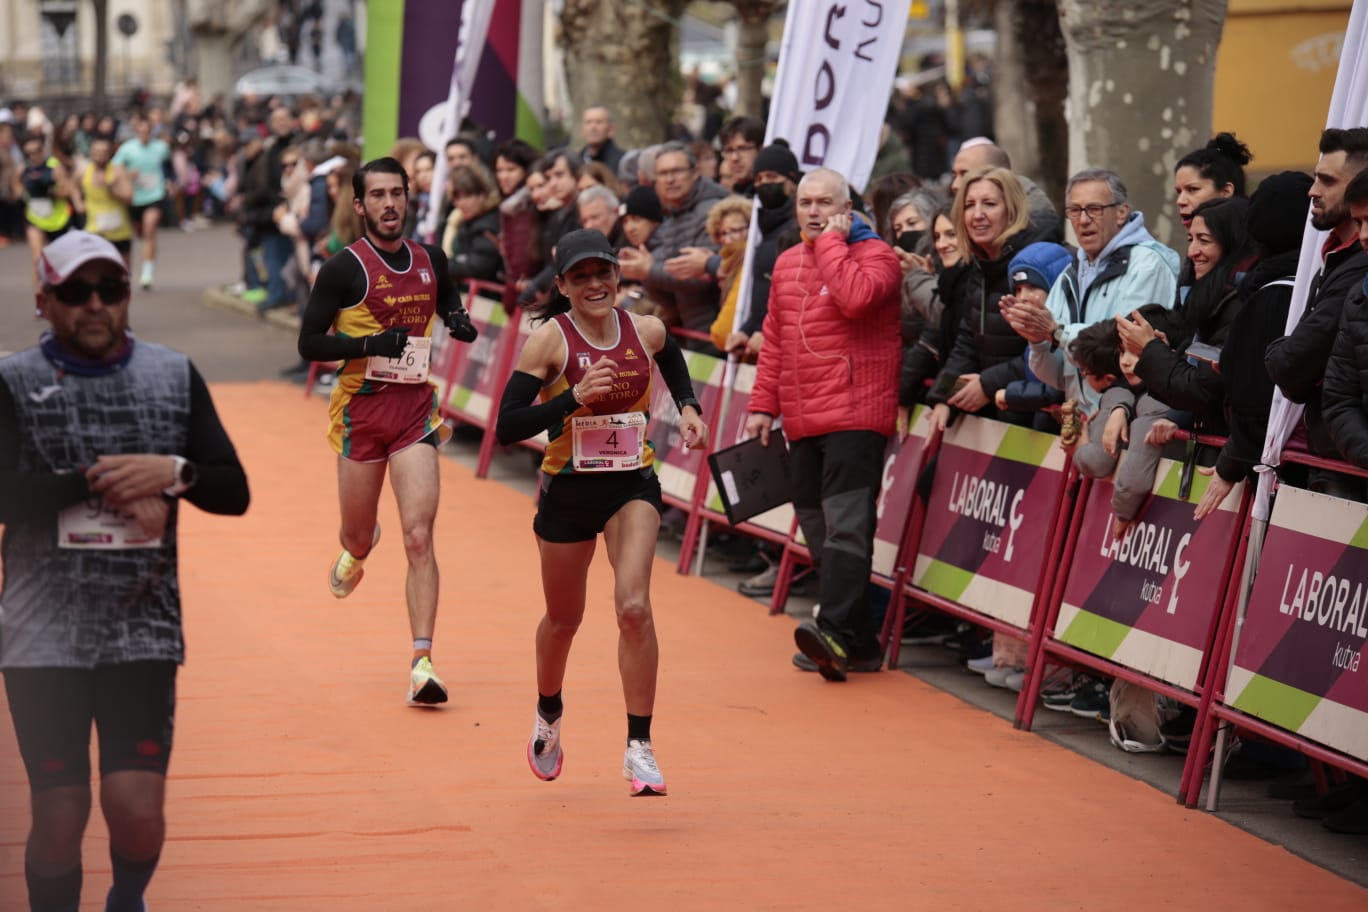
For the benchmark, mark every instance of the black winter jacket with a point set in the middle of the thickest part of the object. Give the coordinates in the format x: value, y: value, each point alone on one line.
x: 1344, y: 398
x: 1297, y: 362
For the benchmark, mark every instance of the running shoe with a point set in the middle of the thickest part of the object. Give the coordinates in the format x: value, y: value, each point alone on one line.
x: 544, y: 752
x: 347, y: 570
x: 425, y: 688
x: 639, y: 768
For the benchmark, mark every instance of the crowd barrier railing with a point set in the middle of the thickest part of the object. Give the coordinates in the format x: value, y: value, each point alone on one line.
x: 1288, y: 668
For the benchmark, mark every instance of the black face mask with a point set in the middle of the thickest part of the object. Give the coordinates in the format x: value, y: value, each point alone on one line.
x: 771, y: 196
x: 908, y: 240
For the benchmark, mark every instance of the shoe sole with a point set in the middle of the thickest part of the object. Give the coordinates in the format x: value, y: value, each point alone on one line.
x: 430, y: 694
x: 1086, y: 713
x: 1057, y: 707
x: 811, y: 644
x: 532, y: 762
x: 639, y: 789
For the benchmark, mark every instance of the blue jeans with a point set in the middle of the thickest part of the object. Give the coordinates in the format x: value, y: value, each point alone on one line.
x: 277, y: 249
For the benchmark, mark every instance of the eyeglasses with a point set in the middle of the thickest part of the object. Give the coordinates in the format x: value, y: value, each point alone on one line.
x: 76, y: 293
x: 737, y: 150
x: 1072, y: 213
x: 672, y: 173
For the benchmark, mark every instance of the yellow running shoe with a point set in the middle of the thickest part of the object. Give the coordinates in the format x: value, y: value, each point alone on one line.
x: 425, y: 688
x: 348, y: 570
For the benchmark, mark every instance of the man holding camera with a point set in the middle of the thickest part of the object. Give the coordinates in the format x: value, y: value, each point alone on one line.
x: 381, y: 298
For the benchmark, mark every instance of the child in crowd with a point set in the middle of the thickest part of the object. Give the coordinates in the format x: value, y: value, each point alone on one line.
x: 1124, y: 418
x: 1033, y: 273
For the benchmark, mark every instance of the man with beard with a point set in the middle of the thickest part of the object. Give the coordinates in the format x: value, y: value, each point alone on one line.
x: 381, y: 298
x: 101, y: 437
x: 1296, y: 362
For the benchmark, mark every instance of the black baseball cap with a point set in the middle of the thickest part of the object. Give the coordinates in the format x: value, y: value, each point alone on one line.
x: 583, y: 244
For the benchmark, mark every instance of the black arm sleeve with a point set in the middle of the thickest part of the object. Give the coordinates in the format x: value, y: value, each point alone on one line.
x: 341, y: 282
x: 519, y: 419
x: 448, y: 298
x: 670, y: 360
x: 220, y: 484
x: 30, y: 495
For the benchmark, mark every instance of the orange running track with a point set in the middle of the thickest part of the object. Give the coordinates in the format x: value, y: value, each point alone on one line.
x: 301, y: 781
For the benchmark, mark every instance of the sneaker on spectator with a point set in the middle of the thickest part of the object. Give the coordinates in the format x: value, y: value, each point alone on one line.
x: 1092, y: 701
x: 1060, y: 698
x: 1015, y: 681
x: 997, y: 677
x: 762, y: 584
x: 866, y: 665
x: 928, y: 627
x: 981, y: 665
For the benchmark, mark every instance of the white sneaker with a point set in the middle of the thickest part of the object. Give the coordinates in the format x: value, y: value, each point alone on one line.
x: 639, y: 768
x: 347, y: 570
x: 980, y: 666
x: 544, y: 752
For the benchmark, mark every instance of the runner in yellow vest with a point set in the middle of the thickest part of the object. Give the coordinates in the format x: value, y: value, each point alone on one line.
x: 48, y: 191
x: 108, y: 191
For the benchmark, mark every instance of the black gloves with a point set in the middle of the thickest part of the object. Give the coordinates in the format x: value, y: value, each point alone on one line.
x: 388, y: 344
x: 458, y: 322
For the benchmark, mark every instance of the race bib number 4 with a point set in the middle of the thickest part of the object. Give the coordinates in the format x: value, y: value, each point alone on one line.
x: 410, y: 367
x: 608, y: 443
x: 94, y: 525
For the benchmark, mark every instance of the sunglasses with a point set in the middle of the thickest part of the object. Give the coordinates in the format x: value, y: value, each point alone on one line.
x: 76, y: 293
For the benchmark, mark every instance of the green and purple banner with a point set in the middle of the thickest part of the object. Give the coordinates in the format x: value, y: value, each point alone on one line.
x: 676, y: 466
x: 470, y: 396
x: 410, y: 51
x: 902, y: 464
x: 1150, y: 599
x: 1299, y: 659
x: 989, y: 518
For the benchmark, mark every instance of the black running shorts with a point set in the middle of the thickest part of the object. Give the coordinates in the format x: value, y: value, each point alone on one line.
x: 133, y: 708
x: 576, y: 507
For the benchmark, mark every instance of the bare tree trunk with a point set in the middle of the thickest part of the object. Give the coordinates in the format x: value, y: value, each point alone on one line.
x: 1014, y: 127
x: 100, y: 87
x: 1140, y: 87
x: 752, y: 36
x: 1046, y: 66
x: 624, y: 54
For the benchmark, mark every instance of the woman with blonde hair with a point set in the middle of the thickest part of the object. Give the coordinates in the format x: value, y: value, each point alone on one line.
x: 981, y: 353
x: 728, y: 225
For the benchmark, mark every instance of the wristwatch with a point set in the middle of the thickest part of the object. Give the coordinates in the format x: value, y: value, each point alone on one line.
x: 186, y: 476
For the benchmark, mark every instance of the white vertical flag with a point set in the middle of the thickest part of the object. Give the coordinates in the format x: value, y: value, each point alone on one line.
x: 470, y: 45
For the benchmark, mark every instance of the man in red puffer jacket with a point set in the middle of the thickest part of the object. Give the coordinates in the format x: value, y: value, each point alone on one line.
x: 829, y: 369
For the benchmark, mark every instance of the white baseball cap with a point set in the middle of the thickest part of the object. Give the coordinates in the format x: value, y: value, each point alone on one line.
x: 71, y: 251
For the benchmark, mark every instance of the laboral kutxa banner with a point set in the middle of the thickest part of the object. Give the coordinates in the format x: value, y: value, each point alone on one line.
x: 1149, y: 600
x: 677, y: 466
x: 989, y: 517
x: 1299, y: 660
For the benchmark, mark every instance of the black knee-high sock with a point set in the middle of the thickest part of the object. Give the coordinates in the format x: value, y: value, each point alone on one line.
x: 54, y: 894
x: 550, y: 707
x: 638, y: 728
x: 130, y: 881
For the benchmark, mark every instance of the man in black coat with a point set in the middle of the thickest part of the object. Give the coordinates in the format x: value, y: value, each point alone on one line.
x: 1297, y: 361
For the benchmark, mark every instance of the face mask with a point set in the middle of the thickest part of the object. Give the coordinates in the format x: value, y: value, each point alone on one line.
x: 771, y: 196
x: 908, y: 240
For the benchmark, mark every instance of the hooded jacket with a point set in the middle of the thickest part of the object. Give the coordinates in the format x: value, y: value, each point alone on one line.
x: 1131, y: 271
x: 831, y: 352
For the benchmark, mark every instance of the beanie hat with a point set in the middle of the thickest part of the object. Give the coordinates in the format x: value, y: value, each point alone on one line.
x: 1039, y: 264
x: 642, y: 201
x: 1277, y: 211
x: 779, y: 158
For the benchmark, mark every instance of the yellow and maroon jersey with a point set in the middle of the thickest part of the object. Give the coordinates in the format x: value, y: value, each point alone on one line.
x: 631, y: 387
x: 393, y: 298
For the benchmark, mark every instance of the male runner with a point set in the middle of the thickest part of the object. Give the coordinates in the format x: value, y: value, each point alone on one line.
x: 145, y: 159
x: 380, y: 297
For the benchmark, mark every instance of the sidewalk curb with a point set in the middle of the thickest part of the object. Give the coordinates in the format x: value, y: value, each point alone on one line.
x: 222, y: 299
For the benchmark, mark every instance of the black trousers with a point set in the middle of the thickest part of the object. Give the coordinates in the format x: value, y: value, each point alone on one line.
x: 836, y: 479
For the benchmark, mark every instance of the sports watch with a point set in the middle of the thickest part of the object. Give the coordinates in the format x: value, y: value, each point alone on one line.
x: 185, y: 475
